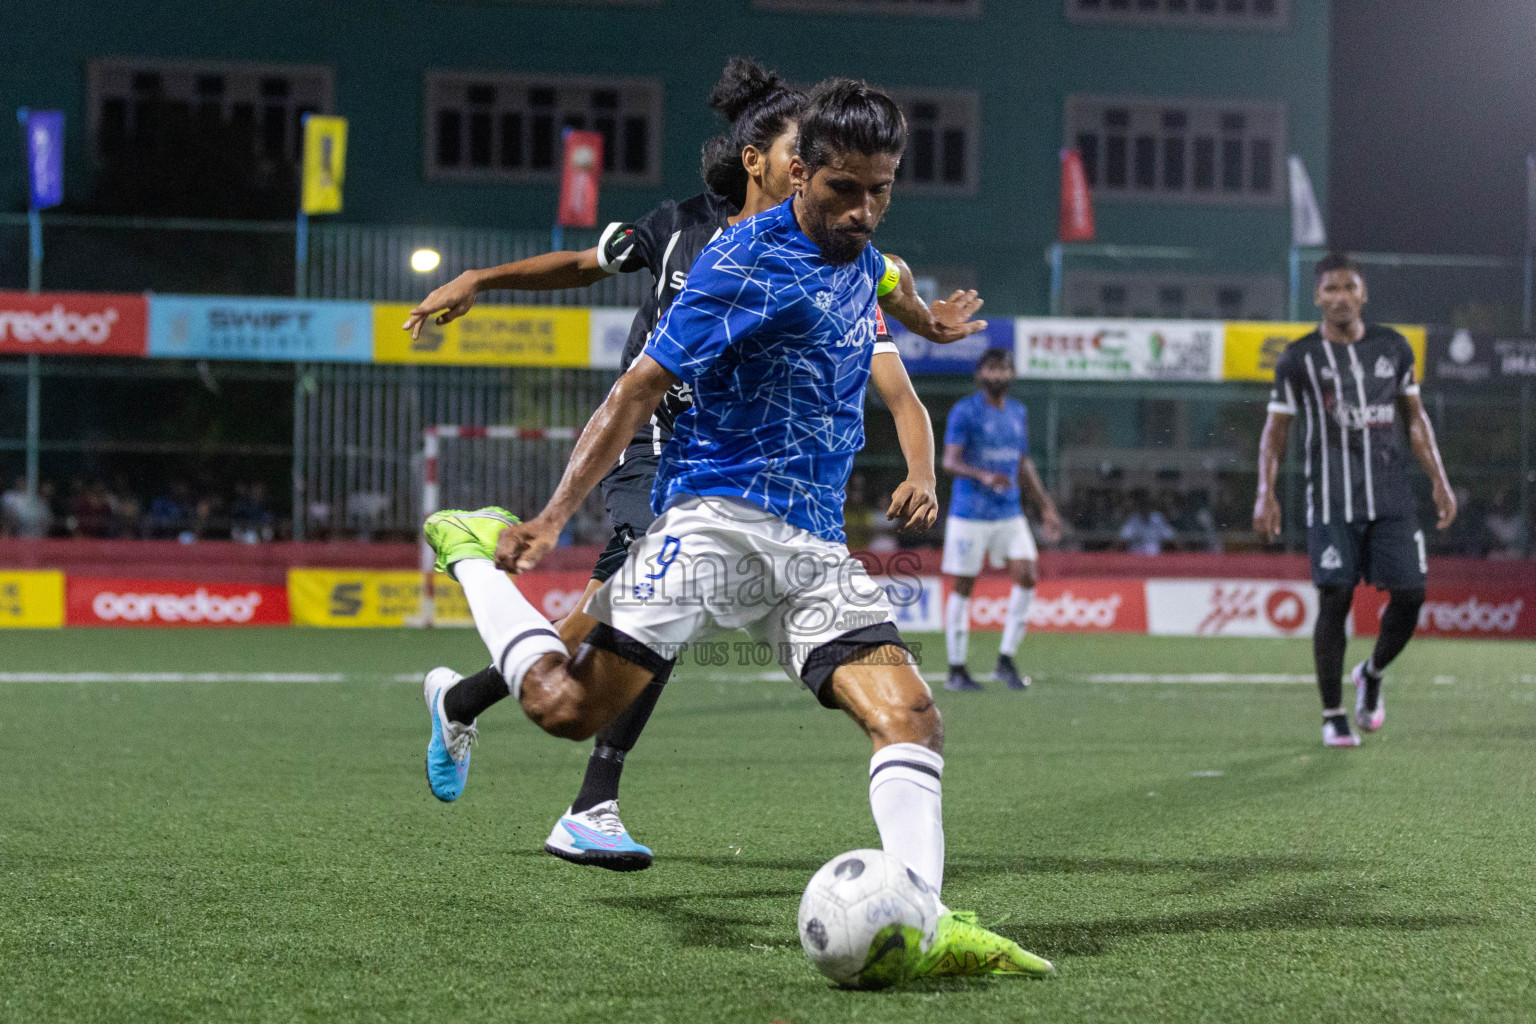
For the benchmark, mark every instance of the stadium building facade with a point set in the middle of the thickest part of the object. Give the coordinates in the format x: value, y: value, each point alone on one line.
x: 1184, y: 110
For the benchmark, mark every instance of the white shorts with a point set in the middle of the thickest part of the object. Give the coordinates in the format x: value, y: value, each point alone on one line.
x: 713, y: 564
x: 968, y: 543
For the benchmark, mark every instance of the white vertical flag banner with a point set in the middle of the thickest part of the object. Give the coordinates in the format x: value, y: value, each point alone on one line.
x: 1306, y: 221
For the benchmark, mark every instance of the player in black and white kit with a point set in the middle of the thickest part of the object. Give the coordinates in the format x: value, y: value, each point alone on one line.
x: 747, y: 172
x: 1354, y: 386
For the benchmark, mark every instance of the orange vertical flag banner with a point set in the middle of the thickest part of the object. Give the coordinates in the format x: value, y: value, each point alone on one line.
x: 1076, y: 202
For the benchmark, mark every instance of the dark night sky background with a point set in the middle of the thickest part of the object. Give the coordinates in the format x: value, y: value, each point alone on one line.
x: 1434, y: 102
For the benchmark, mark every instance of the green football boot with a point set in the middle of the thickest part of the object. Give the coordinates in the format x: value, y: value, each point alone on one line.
x: 963, y: 949
x: 455, y: 534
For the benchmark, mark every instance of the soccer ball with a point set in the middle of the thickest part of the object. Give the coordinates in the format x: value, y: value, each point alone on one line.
x: 866, y: 919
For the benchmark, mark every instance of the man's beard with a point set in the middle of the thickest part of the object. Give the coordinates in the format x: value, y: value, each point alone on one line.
x: 837, y: 246
x: 996, y: 388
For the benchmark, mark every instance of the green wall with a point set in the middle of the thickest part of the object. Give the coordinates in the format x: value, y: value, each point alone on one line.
x: 1022, y: 56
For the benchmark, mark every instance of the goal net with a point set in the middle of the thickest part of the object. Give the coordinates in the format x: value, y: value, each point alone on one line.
x: 516, y: 468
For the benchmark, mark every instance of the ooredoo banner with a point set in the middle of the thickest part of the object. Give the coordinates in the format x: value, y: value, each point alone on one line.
x: 1475, y: 613
x: 96, y: 601
x: 73, y: 324
x: 1064, y: 606
x: 1230, y: 607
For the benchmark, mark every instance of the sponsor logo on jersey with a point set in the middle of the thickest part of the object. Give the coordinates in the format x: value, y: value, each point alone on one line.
x: 863, y: 333
x: 1331, y: 559
x: 822, y: 301
x: 679, y: 280
x: 1384, y: 368
x: 1357, y: 418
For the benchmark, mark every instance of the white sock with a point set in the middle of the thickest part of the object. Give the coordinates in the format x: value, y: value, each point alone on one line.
x: 1017, y: 623
x: 957, y: 627
x: 905, y: 796
x: 513, y: 631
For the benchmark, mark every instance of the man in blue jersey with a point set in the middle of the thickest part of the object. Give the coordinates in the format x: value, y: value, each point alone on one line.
x: 774, y: 334
x: 986, y: 450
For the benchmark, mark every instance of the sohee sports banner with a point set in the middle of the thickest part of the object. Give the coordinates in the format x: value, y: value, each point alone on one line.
x: 487, y: 336
x: 1067, y: 349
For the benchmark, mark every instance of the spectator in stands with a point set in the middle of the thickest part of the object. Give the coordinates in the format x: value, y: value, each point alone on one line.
x: 1146, y: 530
x: 23, y: 516
x: 1505, y: 531
x: 90, y: 511
x: 170, y: 513
x: 250, y: 519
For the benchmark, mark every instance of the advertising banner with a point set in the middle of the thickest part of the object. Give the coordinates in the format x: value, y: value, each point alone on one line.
x: 922, y: 356
x: 1076, y: 221
x: 1475, y: 359
x: 1068, y: 349
x: 487, y: 336
x: 325, y: 163
x: 73, y: 324
x: 1064, y: 606
x: 347, y: 597
x: 1230, y: 607
x: 31, y: 600
x: 580, y: 171
x: 227, y: 327
x: 92, y: 601
x: 606, y: 334
x: 1473, y: 613
x: 1254, y: 347
x: 45, y: 156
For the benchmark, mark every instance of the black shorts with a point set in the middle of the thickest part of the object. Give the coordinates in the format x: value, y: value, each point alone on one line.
x: 1386, y: 553
x: 627, y: 497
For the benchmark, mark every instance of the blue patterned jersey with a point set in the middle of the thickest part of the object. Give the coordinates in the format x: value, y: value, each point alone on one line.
x: 776, y: 344
x: 994, y: 440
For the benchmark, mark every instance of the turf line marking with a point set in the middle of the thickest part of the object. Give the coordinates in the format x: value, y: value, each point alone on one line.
x: 175, y: 677
x: 1445, y: 680
x: 1197, y: 678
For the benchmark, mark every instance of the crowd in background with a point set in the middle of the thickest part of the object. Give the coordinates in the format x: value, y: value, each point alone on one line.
x: 1100, y: 518
x: 98, y: 509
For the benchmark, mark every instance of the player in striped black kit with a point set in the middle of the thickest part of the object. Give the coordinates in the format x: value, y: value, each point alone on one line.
x: 1354, y: 386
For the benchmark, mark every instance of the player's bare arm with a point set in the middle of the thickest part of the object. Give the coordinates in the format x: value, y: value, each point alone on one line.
x: 1266, y: 506
x: 955, y: 465
x: 946, y: 321
x: 1034, y: 487
x: 915, y: 505
x: 1421, y: 438
x: 633, y: 398
x: 545, y: 272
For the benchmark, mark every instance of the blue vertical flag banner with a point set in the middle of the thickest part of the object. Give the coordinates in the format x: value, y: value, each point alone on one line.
x: 45, y: 156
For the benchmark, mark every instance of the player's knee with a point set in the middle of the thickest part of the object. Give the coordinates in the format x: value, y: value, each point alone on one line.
x: 1025, y: 574
x: 552, y: 701
x: 916, y: 721
x: 1405, y: 603
x: 1334, y: 602
x: 964, y: 585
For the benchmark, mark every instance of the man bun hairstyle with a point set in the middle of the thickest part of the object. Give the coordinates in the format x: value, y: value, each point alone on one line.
x: 1337, y: 261
x: 760, y: 106
x: 846, y: 115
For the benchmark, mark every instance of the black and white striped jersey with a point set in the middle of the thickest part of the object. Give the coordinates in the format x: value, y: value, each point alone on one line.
x: 1357, y: 450
x: 665, y: 241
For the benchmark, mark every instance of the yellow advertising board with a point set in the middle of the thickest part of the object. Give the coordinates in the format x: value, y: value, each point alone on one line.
x: 369, y: 597
x: 1253, y: 348
x: 32, y: 599
x: 487, y: 336
x: 325, y: 163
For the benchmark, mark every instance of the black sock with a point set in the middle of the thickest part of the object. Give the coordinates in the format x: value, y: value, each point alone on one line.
x: 470, y: 696
x: 1328, y: 643
x: 617, y: 739
x: 1398, y: 622
x: 1340, y: 723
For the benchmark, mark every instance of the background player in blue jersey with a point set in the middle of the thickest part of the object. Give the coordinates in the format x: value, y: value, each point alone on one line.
x: 986, y: 450
x: 747, y: 172
x: 774, y: 333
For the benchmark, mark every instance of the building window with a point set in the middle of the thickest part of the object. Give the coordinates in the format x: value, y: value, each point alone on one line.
x: 156, y: 106
x: 943, y: 131
x: 1172, y: 296
x: 1202, y: 151
x: 1237, y: 14
x: 507, y: 127
x: 921, y: 8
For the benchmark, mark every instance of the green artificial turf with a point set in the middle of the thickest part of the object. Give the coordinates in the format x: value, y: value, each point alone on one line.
x: 208, y: 851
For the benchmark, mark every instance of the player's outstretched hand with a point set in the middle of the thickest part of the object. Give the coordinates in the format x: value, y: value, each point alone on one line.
x: 452, y: 300
x: 952, y: 317
x: 1266, y: 518
x: 1445, y: 508
x: 915, y: 505
x: 520, y: 547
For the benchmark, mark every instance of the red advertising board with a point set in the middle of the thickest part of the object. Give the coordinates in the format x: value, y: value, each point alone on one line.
x: 95, y: 601
x: 1474, y: 613
x: 1065, y: 606
x: 553, y: 593
x: 73, y: 323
